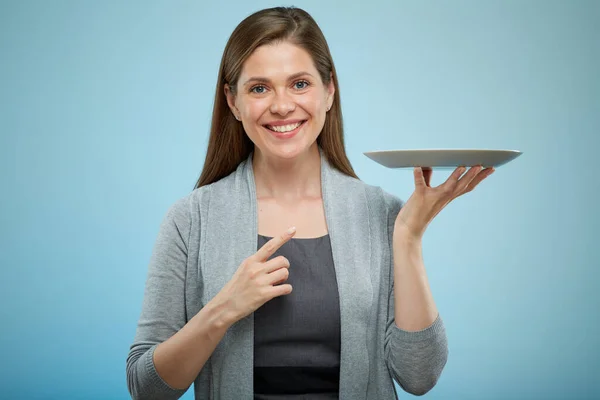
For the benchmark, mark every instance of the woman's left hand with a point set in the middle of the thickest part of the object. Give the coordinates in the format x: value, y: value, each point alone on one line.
x: 426, y: 202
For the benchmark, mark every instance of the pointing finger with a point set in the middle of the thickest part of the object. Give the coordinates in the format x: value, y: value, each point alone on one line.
x: 274, y: 244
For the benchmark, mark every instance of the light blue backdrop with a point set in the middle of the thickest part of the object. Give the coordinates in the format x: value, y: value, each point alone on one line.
x: 104, y: 114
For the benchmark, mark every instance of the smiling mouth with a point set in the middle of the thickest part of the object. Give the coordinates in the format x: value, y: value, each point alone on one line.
x: 284, y: 128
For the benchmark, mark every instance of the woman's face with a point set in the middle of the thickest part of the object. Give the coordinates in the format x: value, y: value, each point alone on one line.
x: 281, y: 100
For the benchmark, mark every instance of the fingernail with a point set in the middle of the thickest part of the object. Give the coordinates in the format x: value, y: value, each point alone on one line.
x: 291, y: 230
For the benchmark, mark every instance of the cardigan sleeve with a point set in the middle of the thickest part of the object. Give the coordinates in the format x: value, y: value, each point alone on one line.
x: 415, y: 359
x: 163, y: 307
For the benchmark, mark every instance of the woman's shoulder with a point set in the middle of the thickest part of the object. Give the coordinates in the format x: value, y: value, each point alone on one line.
x: 375, y: 195
x: 184, y: 208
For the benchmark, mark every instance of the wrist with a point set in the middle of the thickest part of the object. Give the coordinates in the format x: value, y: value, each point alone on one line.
x: 405, y: 236
x: 218, y: 315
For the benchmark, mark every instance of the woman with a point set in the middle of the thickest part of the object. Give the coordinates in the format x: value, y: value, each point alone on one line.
x: 242, y: 305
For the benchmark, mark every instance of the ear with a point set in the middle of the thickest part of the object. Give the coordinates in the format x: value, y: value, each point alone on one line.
x: 231, y: 101
x: 330, y: 91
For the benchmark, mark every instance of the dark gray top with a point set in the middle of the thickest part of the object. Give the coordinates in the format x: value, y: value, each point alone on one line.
x: 297, y: 336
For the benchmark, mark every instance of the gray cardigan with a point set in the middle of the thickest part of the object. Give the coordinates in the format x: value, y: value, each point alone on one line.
x: 207, y: 234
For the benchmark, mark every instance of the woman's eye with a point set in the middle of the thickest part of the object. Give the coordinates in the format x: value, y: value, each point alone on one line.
x: 258, y: 89
x: 301, y: 85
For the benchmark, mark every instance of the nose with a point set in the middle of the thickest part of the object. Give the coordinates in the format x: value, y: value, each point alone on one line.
x: 282, y: 104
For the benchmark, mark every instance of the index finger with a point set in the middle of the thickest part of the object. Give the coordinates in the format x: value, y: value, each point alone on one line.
x: 274, y: 244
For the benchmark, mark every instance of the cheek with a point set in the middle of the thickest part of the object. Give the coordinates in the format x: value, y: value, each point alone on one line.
x: 314, y: 105
x: 253, y: 109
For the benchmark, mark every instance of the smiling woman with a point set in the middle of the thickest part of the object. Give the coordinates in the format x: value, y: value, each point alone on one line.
x: 289, y: 101
x: 276, y: 70
x: 278, y: 207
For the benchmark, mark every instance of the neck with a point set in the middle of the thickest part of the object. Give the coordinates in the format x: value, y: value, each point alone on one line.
x: 288, y: 179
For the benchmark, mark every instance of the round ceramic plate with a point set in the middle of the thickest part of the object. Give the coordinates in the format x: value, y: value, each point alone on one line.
x: 442, y: 158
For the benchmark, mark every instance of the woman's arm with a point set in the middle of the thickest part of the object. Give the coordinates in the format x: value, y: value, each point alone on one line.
x: 167, y: 354
x: 414, y: 307
x: 179, y: 359
x: 416, y: 346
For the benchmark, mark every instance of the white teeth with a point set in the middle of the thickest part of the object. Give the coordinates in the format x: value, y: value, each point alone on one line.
x: 284, y: 128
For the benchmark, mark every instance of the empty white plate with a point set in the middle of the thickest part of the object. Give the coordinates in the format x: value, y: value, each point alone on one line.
x: 442, y: 158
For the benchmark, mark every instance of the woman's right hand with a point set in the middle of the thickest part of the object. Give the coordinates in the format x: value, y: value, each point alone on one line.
x: 257, y: 280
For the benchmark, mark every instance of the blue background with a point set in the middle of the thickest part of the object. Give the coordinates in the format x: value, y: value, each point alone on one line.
x: 104, y: 116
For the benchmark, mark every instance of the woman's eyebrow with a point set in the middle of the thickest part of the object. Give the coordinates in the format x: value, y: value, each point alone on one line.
x: 260, y: 79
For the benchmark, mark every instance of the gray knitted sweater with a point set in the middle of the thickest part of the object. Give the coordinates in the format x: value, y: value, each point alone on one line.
x: 207, y: 234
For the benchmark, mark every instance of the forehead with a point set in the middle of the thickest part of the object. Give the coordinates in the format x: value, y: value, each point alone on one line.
x: 277, y: 61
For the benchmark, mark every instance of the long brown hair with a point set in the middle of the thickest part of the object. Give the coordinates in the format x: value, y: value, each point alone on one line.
x: 228, y: 144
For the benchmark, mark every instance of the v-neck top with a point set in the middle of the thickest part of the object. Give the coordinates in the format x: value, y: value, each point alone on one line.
x: 297, y: 336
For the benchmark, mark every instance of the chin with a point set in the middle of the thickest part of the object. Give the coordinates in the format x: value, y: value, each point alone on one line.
x: 288, y: 151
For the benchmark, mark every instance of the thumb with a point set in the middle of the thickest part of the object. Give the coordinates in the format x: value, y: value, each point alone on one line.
x: 419, y: 177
